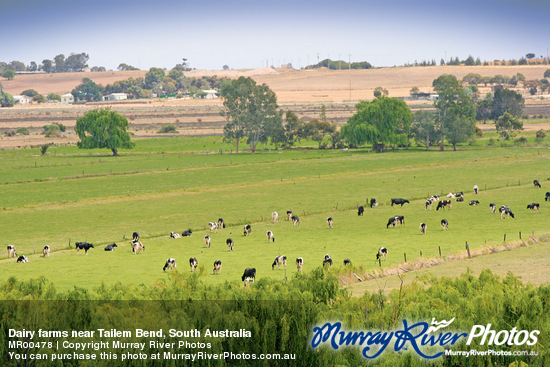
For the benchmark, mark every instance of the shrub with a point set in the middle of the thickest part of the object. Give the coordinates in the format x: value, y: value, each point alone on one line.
x: 167, y: 129
x: 541, y: 134
x: 521, y: 141
x: 23, y: 131
x: 51, y: 130
x: 44, y: 148
x: 9, y: 133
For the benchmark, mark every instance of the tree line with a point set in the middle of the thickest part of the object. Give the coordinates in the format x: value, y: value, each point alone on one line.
x: 75, y: 62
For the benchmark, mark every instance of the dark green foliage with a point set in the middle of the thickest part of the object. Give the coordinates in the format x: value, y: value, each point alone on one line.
x: 547, y: 73
x: 23, y: 131
x: 339, y: 64
x: 87, y: 91
x: 505, y: 100
x: 39, y: 98
x: 54, y: 97
x: 153, y: 76
x: 103, y: 128
x: 126, y: 67
x: 541, y: 134
x: 167, y: 129
x: 29, y: 93
x: 508, y: 125
x: 76, y: 62
x: 6, y: 100
x: 423, y: 128
x: 44, y: 148
x: 8, y: 74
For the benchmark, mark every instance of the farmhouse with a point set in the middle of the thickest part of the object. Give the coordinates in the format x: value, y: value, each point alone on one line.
x: 210, y: 94
x: 20, y: 99
x: 67, y: 98
x: 117, y: 97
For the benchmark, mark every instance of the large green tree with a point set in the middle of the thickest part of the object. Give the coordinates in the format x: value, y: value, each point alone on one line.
x: 8, y: 74
x: 456, y: 110
x: 251, y: 111
x: 103, y: 128
x: 76, y: 62
x: 508, y: 125
x: 6, y: 100
x: 384, y: 121
x: 88, y: 90
x: 506, y: 100
x: 423, y: 128
x: 153, y: 77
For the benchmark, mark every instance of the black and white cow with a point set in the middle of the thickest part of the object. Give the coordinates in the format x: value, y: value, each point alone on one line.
x: 299, y: 263
x: 221, y: 223
x: 295, y: 220
x: 423, y: 228
x: 451, y: 195
x: 474, y: 202
x: 187, y: 233
x: 434, y: 198
x: 270, y: 236
x: 229, y: 243
x: 347, y: 262
x: 135, y: 236
x: 22, y: 259
x: 493, y: 207
x: 476, y: 189
x: 137, y: 247
x: 373, y: 203
x: 207, y: 240
x: 275, y: 217
x: 279, y: 260
x: 248, y: 276
x: 459, y: 194
x: 428, y: 204
x: 11, y: 251
x: 547, y: 196
x: 398, y: 219
x: 360, y: 210
x: 327, y: 261
x: 505, y: 211
x: 444, y: 204
x: 170, y: 264
x: 247, y: 230
x: 460, y: 199
x: 533, y: 206
x: 444, y: 224
x: 536, y: 183
x: 83, y: 246
x: 46, y: 251
x: 398, y: 202
x: 217, y: 267
x: 193, y: 263
x: 174, y: 235
x: 382, y: 253
x: 329, y: 222
x: 111, y: 247
x: 288, y: 214
x: 213, y: 226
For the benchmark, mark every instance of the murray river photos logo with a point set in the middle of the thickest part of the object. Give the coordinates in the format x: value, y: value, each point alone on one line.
x: 419, y: 336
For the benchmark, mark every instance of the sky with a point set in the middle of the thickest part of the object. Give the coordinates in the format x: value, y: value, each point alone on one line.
x: 246, y: 34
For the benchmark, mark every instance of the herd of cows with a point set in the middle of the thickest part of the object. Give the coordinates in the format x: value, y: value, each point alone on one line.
x: 249, y: 274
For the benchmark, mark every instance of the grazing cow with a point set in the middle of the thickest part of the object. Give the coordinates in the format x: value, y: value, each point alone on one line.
x: 347, y: 262
x: 547, y: 196
x: 174, y: 235
x: 170, y: 264
x: 505, y: 211
x: 533, y: 206
x: 270, y: 236
x: 476, y: 189
x: 135, y: 236
x: 11, y: 251
x: 275, y: 217
x: 444, y: 224
x: 329, y: 222
x: 83, y: 246
x: 295, y: 220
x: 474, y: 202
x: 382, y: 253
x: 111, y: 247
x: 137, y: 246
x: 207, y: 240
x: 451, y: 195
x: 493, y: 207
x: 46, y: 251
x: 213, y: 226
x: 444, y: 204
x: 459, y: 194
x: 22, y: 259
x: 434, y: 198
x: 423, y: 228
x: 187, y: 233
x: 279, y: 260
x: 460, y: 199
x: 193, y: 263
x: 299, y: 263
x: 398, y: 202
x: 398, y: 219
x: 537, y: 184
x: 373, y: 203
x: 327, y: 260
x: 360, y: 210
x: 429, y: 203
x: 288, y: 214
x: 229, y: 243
x: 221, y: 223
x: 247, y: 230
x: 248, y: 276
x: 217, y: 267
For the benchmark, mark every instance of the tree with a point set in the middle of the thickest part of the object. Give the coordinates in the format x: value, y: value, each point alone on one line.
x: 293, y: 129
x: 547, y: 73
x: 455, y: 110
x: 32, y: 66
x: 530, y: 56
x: 153, y: 77
x: 59, y: 61
x: 39, y: 98
x: 53, y: 97
x: 225, y: 67
x: 318, y: 130
x: 103, y: 128
x: 540, y: 135
x: 380, y: 122
x: 506, y: 100
x: 508, y: 125
x: 29, y: 93
x: 76, y: 62
x: 379, y: 91
x: 179, y: 79
x: 17, y: 66
x: 250, y: 111
x: 469, y: 61
x: 6, y: 100
x: 47, y: 65
x: 423, y: 128
x: 8, y: 74
x: 87, y: 91
x: 484, y: 108
x: 126, y: 67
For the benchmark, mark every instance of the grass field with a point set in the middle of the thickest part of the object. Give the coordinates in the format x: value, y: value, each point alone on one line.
x: 173, y: 184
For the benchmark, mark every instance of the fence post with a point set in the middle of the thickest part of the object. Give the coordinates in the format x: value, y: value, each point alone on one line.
x: 420, y: 252
x: 520, y: 235
x: 405, y: 256
x: 439, y: 251
x: 505, y: 237
x: 468, y: 249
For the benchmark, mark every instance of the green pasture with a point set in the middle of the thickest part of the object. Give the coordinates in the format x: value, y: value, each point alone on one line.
x: 172, y: 184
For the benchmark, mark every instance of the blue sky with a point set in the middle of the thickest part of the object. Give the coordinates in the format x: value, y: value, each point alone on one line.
x: 256, y: 33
